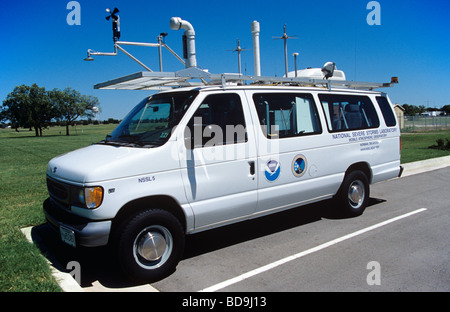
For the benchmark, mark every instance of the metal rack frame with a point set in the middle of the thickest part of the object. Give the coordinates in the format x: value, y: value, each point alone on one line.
x: 193, y: 76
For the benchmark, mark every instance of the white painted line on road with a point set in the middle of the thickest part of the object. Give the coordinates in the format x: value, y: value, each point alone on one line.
x: 304, y: 253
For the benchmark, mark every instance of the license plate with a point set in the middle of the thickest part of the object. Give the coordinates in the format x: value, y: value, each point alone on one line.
x: 67, y: 236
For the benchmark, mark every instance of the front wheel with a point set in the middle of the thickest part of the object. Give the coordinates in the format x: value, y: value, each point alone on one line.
x: 353, y: 196
x: 150, y: 245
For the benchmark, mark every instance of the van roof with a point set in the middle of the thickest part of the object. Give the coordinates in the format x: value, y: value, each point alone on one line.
x: 268, y: 88
x: 197, y: 78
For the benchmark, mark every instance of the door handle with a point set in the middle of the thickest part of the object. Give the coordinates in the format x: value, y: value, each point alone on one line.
x: 252, y: 167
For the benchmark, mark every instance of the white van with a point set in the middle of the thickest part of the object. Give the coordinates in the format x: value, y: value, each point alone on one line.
x: 192, y: 159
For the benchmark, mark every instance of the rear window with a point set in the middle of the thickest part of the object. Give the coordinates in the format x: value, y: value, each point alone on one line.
x: 386, y: 110
x: 348, y: 112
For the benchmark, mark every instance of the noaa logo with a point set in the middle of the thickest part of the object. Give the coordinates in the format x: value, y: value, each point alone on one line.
x: 299, y: 165
x: 272, y: 170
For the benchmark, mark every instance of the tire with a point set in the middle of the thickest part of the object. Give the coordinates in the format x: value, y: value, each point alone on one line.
x: 353, y: 195
x: 150, y: 245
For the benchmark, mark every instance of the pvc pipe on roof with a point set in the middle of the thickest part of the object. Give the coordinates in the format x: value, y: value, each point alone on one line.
x: 256, y: 57
x: 176, y: 23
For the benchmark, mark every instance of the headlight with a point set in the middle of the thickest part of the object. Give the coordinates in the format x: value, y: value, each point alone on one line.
x: 88, y: 197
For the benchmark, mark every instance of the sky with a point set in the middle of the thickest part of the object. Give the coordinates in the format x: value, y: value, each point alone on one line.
x: 411, y: 42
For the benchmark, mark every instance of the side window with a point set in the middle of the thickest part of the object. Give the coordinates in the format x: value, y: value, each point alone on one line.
x: 219, y: 120
x: 348, y: 112
x: 284, y: 115
x: 386, y: 110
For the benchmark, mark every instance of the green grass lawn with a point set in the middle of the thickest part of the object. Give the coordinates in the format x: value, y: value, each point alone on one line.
x: 23, y: 162
x: 415, y: 145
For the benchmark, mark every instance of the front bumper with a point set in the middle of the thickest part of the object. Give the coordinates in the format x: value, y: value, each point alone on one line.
x: 88, y: 233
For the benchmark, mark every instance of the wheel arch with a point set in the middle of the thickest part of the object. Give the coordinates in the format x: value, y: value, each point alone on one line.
x: 163, y: 202
x: 362, y: 166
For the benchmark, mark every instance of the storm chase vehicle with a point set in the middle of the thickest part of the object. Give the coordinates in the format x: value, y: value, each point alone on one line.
x: 198, y: 157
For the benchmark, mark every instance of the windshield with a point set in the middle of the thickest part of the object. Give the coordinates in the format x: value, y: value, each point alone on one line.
x: 151, y: 122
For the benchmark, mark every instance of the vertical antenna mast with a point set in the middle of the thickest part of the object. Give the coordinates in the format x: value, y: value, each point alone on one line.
x: 239, y: 50
x: 285, y: 37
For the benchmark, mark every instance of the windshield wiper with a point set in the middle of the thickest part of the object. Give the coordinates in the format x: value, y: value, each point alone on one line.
x: 129, y: 140
x: 132, y: 139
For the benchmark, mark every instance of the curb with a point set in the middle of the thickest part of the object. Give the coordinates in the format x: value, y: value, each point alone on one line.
x: 64, y: 280
x: 425, y: 165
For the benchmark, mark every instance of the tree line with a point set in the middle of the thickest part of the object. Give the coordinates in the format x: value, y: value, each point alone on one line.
x: 412, y: 110
x: 36, y: 108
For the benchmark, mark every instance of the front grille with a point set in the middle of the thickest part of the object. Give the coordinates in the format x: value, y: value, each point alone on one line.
x: 59, y: 191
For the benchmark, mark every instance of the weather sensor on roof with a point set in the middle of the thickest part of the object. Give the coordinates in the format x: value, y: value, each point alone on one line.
x: 190, y: 61
x: 115, y: 23
x: 328, y: 69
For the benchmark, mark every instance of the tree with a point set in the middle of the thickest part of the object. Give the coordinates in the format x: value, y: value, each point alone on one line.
x: 412, y: 110
x: 422, y: 109
x: 71, y: 104
x: 28, y: 107
x: 446, y: 109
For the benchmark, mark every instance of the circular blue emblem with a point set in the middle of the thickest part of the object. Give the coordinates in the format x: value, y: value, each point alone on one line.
x: 299, y: 165
x: 272, y: 170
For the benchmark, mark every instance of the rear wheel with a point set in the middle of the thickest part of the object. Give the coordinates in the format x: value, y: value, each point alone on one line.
x: 150, y: 245
x: 354, y: 193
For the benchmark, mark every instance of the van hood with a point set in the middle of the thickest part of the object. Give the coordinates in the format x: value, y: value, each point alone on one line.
x: 100, y: 162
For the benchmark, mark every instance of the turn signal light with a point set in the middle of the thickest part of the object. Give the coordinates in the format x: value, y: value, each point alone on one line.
x: 93, y: 196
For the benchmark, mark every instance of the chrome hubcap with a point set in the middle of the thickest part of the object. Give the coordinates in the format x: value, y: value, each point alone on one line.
x: 356, y: 194
x: 152, y: 246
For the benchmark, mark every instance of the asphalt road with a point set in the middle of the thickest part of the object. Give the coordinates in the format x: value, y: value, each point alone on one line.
x: 396, y: 245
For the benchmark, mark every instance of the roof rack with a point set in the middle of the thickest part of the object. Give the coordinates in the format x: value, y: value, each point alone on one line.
x: 193, y: 76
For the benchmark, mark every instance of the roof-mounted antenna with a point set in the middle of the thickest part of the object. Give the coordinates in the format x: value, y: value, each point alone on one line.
x: 285, y: 37
x: 239, y: 50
